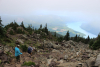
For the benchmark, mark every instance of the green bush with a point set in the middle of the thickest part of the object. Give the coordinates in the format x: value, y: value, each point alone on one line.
x: 12, y: 44
x: 96, y: 45
x: 8, y: 53
x: 60, y: 39
x: 7, y: 40
x: 28, y: 63
x: 19, y: 31
x: 0, y: 61
x: 91, y: 43
x: 4, y: 43
x: 11, y: 32
x: 24, y: 48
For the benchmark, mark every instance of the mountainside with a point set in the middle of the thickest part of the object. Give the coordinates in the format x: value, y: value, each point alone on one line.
x: 46, y: 53
x: 49, y: 50
x: 63, y: 30
x: 57, y: 34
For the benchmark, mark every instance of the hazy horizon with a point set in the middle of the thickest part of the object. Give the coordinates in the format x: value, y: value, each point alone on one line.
x: 82, y: 16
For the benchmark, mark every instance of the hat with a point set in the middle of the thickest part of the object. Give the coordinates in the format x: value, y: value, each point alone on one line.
x: 18, y: 45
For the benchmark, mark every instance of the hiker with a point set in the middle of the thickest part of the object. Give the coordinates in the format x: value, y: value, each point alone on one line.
x: 30, y: 49
x: 17, y: 53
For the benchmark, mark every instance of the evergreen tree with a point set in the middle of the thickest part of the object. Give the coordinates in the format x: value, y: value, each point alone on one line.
x: 71, y: 38
x: 96, y: 43
x: 60, y: 39
x: 1, y: 27
x: 9, y: 25
x: 55, y: 34
x: 35, y: 31
x: 98, y: 37
x: 78, y: 38
x: 67, y: 36
x: 75, y: 38
x: 15, y: 25
x: 40, y: 27
x: 0, y: 22
x: 29, y: 28
x: 91, y: 43
x: 46, y: 30
x: 2, y: 30
x: 22, y: 25
x: 88, y: 39
x: 32, y: 28
x: 82, y: 39
x: 20, y: 31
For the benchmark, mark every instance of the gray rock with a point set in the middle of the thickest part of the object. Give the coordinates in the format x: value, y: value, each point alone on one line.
x: 91, y: 61
x: 24, y: 37
x: 97, y: 60
x: 18, y: 41
x: 1, y: 48
x: 47, y: 44
x: 79, y: 65
x: 65, y: 57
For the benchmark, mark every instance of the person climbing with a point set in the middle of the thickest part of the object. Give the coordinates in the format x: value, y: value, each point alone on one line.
x: 17, y: 53
x: 30, y: 49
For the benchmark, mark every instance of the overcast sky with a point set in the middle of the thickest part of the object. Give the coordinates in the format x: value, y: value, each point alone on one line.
x: 84, y: 14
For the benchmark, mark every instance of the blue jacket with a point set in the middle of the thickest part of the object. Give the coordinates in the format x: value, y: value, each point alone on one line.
x: 17, y: 51
x: 30, y: 49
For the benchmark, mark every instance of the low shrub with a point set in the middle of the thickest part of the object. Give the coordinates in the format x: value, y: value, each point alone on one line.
x: 28, y: 63
x: 8, y: 53
x: 96, y: 45
x: 12, y: 44
x: 0, y: 61
x: 19, y: 31
x: 11, y: 32
x: 24, y: 48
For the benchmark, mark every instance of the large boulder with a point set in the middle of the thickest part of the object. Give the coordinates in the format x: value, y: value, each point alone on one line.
x: 24, y: 37
x: 19, y: 41
x: 65, y: 57
x: 97, y: 63
x: 6, y: 49
x: 36, y: 36
x: 47, y: 44
x: 90, y: 62
x: 1, y: 48
x: 71, y: 42
x: 56, y: 46
x: 53, y: 64
x: 49, y: 61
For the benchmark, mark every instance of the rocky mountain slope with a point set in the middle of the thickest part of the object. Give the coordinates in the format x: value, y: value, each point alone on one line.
x: 48, y: 53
